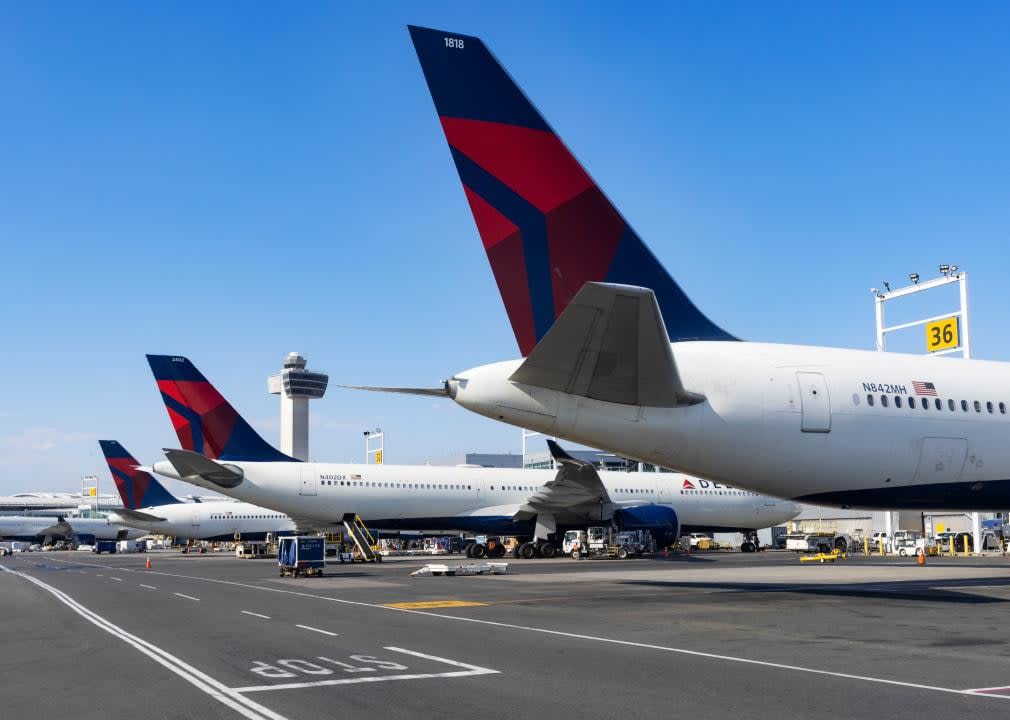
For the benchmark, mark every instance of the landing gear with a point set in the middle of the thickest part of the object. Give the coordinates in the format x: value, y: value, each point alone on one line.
x: 751, y: 543
x: 478, y: 551
x: 527, y: 551
x: 547, y: 549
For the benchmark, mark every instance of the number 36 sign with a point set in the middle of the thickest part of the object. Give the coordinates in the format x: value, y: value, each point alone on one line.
x: 942, y: 334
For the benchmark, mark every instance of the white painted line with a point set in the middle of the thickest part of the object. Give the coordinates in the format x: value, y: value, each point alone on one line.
x: 149, y: 587
x: 212, y: 687
x: 467, y: 671
x: 246, y: 612
x: 113, y: 577
x: 592, y: 638
x: 99, y: 575
x: 188, y: 597
x: 324, y: 632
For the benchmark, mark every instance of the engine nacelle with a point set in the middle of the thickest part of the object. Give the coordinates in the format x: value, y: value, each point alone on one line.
x: 660, y: 520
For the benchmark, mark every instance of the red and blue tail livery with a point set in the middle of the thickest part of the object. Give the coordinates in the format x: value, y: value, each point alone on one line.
x: 204, y: 421
x: 137, y: 488
x: 546, y: 226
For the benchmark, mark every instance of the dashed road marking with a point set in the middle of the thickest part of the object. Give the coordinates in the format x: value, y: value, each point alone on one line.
x: 113, y: 577
x: 324, y: 632
x: 249, y: 612
x: 149, y: 587
x: 430, y: 604
x: 188, y: 597
x: 214, y: 688
x: 605, y: 640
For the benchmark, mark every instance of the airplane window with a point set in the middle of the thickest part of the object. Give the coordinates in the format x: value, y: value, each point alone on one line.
x: 869, y: 400
x: 855, y: 399
x: 937, y: 403
x: 964, y: 406
x: 950, y: 404
x: 988, y: 406
x: 492, y: 487
x: 1002, y: 408
x: 925, y: 404
x: 897, y: 401
x: 467, y: 487
x: 978, y: 406
x: 883, y: 400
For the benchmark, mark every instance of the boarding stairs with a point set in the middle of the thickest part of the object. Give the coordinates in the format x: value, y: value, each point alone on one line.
x: 362, y: 538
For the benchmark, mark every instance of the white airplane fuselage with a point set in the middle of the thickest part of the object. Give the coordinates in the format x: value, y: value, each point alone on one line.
x: 35, y: 526
x: 796, y: 421
x: 220, y: 520
x: 481, y: 500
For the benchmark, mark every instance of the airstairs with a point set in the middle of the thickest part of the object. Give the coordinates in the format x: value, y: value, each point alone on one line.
x: 363, y: 539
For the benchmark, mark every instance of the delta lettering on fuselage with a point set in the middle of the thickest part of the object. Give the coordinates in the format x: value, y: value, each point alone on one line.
x: 704, y: 485
x: 885, y: 388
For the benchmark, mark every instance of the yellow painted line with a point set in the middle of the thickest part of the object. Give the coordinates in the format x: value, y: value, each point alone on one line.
x: 429, y: 604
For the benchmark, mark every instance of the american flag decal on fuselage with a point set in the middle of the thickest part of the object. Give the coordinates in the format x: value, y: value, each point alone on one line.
x: 924, y: 388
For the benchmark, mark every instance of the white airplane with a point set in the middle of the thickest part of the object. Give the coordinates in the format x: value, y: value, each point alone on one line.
x: 537, y: 505
x: 32, y: 528
x: 149, y: 506
x: 617, y: 357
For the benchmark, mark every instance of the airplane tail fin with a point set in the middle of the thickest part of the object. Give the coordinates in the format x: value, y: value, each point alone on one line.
x: 546, y: 225
x: 204, y: 421
x: 136, y: 487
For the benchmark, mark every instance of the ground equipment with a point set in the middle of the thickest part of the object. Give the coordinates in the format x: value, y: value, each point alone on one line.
x: 301, y: 555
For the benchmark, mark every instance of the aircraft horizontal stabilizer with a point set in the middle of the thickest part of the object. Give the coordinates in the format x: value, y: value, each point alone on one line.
x: 192, y: 464
x: 609, y: 344
x: 125, y: 514
x: 431, y: 392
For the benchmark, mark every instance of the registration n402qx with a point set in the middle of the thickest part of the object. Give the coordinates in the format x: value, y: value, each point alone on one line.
x: 618, y: 357
x: 223, y: 453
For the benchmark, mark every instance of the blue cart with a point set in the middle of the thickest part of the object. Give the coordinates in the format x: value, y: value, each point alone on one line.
x: 301, y: 556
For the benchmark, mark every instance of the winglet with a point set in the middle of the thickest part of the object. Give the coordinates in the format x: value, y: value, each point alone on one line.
x: 559, y: 455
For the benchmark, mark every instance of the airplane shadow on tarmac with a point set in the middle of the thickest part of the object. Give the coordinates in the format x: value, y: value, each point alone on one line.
x: 931, y: 591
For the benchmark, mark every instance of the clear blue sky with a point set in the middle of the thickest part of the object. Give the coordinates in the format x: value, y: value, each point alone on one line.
x: 232, y: 181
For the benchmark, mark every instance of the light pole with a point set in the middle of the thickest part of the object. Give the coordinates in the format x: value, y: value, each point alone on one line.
x: 375, y: 444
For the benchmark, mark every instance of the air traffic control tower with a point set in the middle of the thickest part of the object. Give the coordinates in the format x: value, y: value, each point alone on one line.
x: 296, y: 386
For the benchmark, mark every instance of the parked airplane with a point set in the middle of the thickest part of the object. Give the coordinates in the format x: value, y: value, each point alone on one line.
x: 617, y: 357
x: 532, y: 504
x: 38, y: 528
x: 149, y: 506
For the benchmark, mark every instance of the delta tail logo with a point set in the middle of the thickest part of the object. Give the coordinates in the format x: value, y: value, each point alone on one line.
x: 688, y: 485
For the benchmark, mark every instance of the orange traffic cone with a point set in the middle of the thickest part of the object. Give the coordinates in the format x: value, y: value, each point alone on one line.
x: 147, y: 565
x: 921, y: 558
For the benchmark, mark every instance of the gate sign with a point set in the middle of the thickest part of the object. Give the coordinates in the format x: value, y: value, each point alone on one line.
x: 942, y: 334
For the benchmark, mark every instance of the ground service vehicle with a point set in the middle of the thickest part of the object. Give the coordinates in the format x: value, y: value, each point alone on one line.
x: 598, y: 542
x: 301, y: 555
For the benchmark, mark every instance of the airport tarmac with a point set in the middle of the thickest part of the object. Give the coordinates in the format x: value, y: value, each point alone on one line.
x: 712, y: 636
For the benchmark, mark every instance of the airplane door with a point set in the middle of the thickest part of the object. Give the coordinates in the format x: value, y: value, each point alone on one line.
x: 194, y: 519
x: 308, y: 482
x: 941, y: 460
x: 815, y: 404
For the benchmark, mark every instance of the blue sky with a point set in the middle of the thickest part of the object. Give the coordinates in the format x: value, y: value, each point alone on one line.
x: 232, y: 181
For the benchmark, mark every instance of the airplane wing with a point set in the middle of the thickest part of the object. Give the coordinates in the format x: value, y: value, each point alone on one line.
x: 577, y: 483
x: 609, y: 344
x: 128, y: 515
x: 189, y: 464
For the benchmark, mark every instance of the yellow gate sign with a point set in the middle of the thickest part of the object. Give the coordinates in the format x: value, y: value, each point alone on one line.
x: 378, y: 457
x: 942, y: 334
